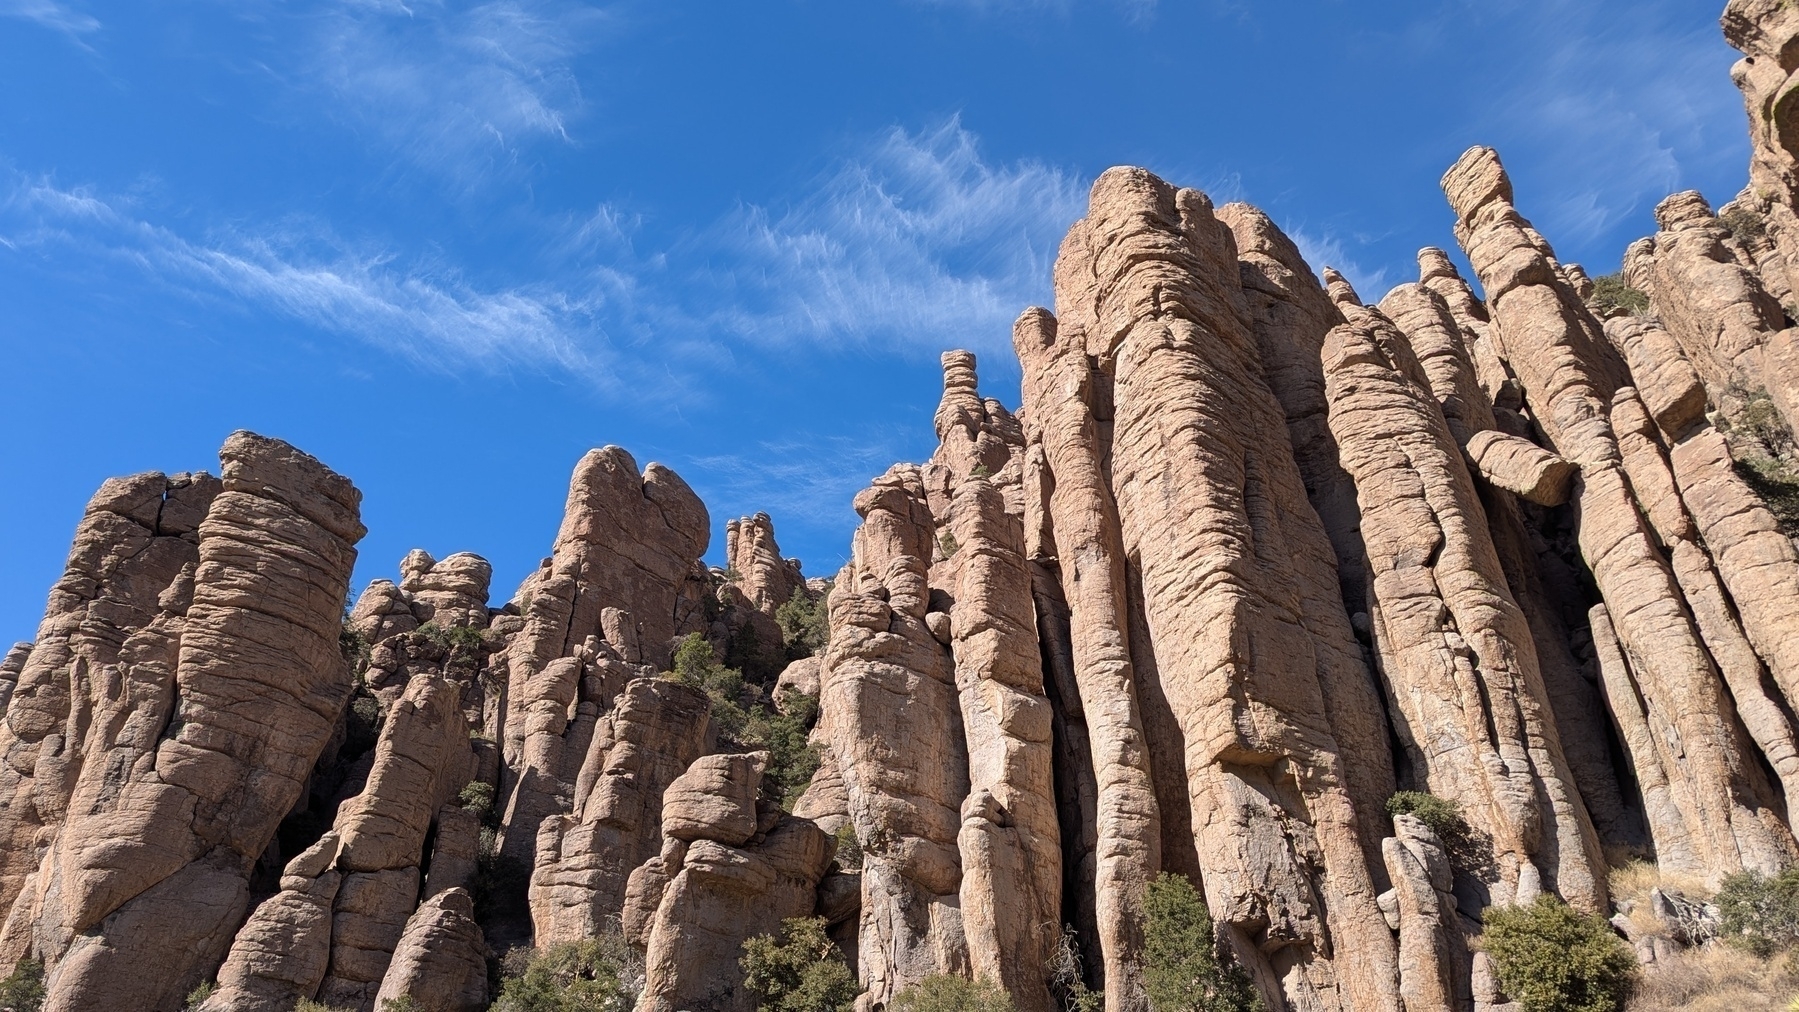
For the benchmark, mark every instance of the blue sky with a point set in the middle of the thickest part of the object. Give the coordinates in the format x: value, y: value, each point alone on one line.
x: 446, y: 247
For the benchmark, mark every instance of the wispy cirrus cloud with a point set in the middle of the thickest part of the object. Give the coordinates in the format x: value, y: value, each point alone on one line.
x: 1327, y: 249
x: 49, y: 14
x: 462, y: 91
x: 424, y: 316
x: 1626, y: 110
x: 913, y: 243
x: 917, y: 241
x: 1136, y: 10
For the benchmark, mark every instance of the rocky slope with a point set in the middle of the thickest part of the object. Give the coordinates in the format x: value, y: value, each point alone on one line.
x: 1253, y: 555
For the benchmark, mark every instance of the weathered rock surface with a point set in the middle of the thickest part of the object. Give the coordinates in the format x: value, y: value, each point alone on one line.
x: 629, y: 548
x: 441, y: 959
x: 1250, y: 780
x: 1249, y: 556
x: 723, y: 876
x: 585, y: 858
x: 1455, y: 650
x: 1721, y: 820
x: 222, y: 704
x: 1086, y: 547
x: 890, y: 714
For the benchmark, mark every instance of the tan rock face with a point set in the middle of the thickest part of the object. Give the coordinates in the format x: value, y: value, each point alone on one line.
x: 347, y: 900
x: 1721, y: 818
x: 630, y: 543
x: 1521, y: 467
x: 1446, y: 339
x: 765, y: 578
x: 1248, y: 762
x: 1086, y: 546
x: 728, y: 869
x: 452, y: 592
x: 124, y: 560
x: 1763, y: 31
x: 890, y: 714
x: 584, y: 858
x: 1456, y: 652
x: 1290, y: 315
x: 1011, y: 891
x: 441, y: 959
x: 1708, y: 296
x: 225, y: 701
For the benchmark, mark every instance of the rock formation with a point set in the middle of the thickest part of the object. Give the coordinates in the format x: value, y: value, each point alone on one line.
x: 730, y: 867
x: 1252, y: 566
x: 184, y: 743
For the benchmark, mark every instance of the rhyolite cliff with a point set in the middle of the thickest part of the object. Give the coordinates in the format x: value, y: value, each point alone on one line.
x: 1254, y: 554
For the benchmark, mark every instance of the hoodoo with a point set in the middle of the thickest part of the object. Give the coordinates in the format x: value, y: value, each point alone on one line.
x: 1387, y: 632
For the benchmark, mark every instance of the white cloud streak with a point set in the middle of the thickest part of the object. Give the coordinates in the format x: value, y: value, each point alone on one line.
x: 412, y: 314
x: 917, y: 242
x: 1326, y: 249
x: 460, y: 92
x: 52, y: 15
x: 1625, y: 110
x: 915, y: 245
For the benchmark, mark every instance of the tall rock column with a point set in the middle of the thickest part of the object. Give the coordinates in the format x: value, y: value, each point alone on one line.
x: 136, y: 542
x: 1457, y: 653
x: 1566, y: 369
x: 1764, y: 31
x: 1440, y: 336
x: 585, y: 858
x: 1254, y: 653
x: 1290, y: 314
x: 1011, y: 891
x: 1089, y: 552
x: 629, y: 544
x: 1716, y: 307
x: 1713, y: 612
x: 890, y: 713
x: 152, y: 877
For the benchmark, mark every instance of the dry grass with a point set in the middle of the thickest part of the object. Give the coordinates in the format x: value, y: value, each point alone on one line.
x: 1717, y: 978
x: 1631, y: 880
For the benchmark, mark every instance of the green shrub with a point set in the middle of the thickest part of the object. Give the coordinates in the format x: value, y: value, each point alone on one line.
x: 944, y: 993
x: 747, y: 720
x: 1778, y: 487
x: 362, y: 726
x: 1184, y: 969
x: 478, y: 796
x: 947, y: 542
x: 805, y: 623
x: 308, y: 1005
x: 463, y: 638
x: 355, y: 649
x: 1444, y: 817
x: 1759, y: 418
x: 403, y: 1003
x: 802, y: 971
x: 198, y: 995
x: 23, y: 989
x: 1552, y: 958
x: 1745, y: 224
x: 1612, y: 296
x: 593, y: 975
x: 791, y: 758
x: 1762, y: 451
x: 1759, y: 913
x: 849, y: 849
